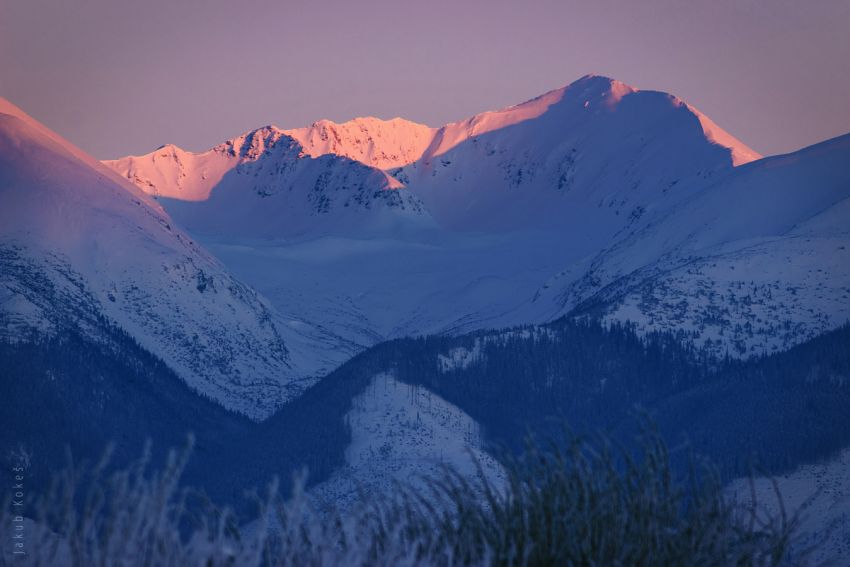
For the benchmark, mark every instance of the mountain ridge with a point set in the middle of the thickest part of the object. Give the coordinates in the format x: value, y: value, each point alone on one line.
x: 363, y: 138
x: 522, y: 215
x: 79, y: 244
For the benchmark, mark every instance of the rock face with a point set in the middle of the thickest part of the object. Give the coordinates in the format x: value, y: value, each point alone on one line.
x: 81, y: 247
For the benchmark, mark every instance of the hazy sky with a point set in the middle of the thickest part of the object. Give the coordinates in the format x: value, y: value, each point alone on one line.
x: 118, y: 77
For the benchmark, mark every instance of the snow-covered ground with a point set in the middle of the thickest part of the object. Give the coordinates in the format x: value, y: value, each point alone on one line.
x: 819, y: 494
x: 404, y: 434
x: 761, y: 299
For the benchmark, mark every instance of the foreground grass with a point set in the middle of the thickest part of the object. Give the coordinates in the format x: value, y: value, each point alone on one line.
x: 582, y: 504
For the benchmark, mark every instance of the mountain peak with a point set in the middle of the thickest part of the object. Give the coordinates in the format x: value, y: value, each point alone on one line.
x: 363, y: 121
x: 599, y: 86
x: 389, y: 144
x: 599, y: 81
x: 252, y: 144
x: 593, y: 88
x: 380, y: 143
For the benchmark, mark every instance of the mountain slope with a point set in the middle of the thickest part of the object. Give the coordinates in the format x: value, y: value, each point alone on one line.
x: 755, y: 277
x: 596, y: 152
x: 565, y: 204
x: 264, y: 185
x: 78, y: 244
x: 404, y: 434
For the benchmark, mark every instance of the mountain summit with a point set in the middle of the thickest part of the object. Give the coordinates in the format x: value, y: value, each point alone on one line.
x: 499, y: 170
x: 388, y: 144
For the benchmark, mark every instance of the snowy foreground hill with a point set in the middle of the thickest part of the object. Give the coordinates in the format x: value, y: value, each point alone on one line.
x: 81, y: 248
x: 596, y: 199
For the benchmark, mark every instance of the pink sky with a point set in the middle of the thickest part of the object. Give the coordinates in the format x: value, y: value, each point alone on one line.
x: 119, y: 78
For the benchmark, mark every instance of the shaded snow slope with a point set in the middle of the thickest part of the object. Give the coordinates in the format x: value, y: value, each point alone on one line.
x: 403, y: 434
x: 820, y: 494
x: 78, y: 244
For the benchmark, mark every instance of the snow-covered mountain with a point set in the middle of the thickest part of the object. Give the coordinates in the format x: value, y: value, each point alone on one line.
x: 596, y: 147
x: 263, y: 184
x: 593, y: 154
x: 82, y: 248
x: 576, y: 201
x: 595, y: 200
x: 384, y: 144
x: 757, y: 260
